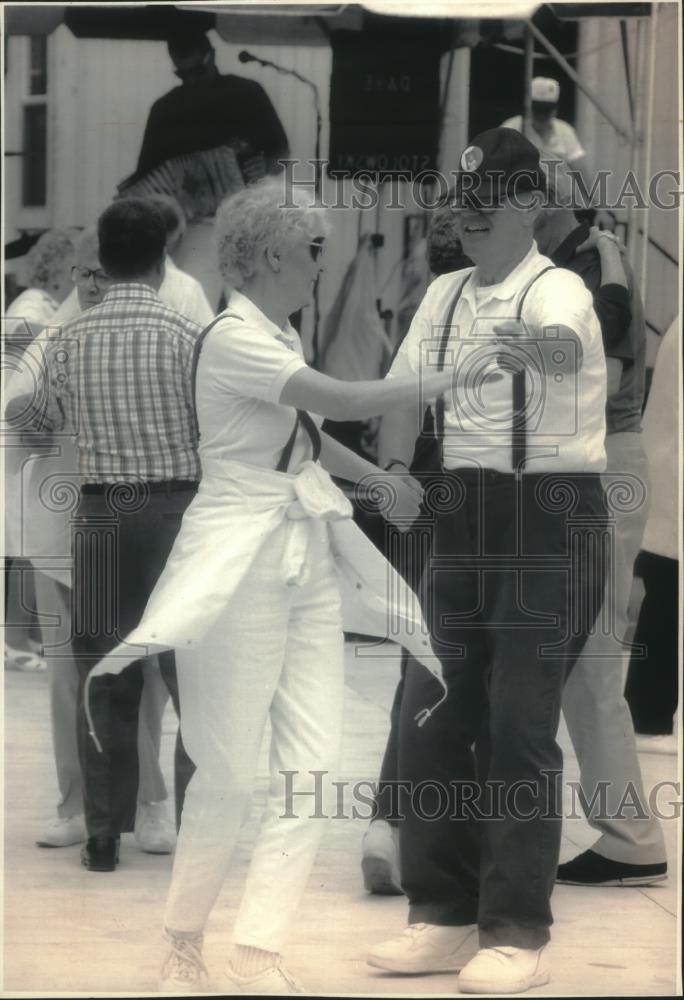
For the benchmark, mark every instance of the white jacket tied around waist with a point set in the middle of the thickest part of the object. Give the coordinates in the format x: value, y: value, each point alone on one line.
x: 237, y: 509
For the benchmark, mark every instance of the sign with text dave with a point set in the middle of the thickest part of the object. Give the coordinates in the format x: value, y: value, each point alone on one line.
x: 384, y: 105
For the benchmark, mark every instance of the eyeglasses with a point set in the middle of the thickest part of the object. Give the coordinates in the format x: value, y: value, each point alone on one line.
x: 81, y: 275
x: 316, y: 248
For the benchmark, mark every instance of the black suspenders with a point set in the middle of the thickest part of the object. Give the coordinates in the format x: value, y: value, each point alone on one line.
x: 519, y: 389
x: 519, y: 398
x: 309, y: 426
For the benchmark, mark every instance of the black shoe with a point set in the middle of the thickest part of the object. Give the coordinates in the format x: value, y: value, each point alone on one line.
x: 590, y: 868
x: 100, y: 854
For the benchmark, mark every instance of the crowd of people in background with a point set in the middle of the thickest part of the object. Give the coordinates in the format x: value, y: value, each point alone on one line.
x: 207, y: 533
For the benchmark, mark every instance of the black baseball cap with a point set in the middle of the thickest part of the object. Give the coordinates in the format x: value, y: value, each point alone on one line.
x: 497, y: 163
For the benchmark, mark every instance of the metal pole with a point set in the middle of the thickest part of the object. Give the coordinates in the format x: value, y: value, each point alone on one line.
x: 653, y: 24
x: 632, y: 229
x: 529, y: 69
x: 577, y: 80
x: 628, y: 79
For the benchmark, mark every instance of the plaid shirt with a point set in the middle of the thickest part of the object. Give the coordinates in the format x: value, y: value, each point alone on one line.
x: 119, y: 379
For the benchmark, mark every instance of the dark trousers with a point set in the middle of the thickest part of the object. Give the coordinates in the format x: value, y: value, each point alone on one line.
x: 651, y: 689
x: 120, y: 545
x: 510, y: 592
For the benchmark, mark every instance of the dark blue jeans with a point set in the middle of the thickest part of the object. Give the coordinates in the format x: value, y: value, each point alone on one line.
x: 511, y: 590
x: 120, y: 546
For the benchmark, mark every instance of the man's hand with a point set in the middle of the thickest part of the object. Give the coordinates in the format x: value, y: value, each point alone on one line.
x: 595, y: 236
x: 400, y: 495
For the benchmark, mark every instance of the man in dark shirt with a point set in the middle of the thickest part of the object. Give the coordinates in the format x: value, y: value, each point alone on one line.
x: 630, y: 849
x: 206, y: 112
x: 209, y: 110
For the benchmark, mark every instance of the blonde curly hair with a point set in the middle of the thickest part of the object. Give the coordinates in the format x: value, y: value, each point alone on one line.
x: 47, y: 257
x: 266, y: 215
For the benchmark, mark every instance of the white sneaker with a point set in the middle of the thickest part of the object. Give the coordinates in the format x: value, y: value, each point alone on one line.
x: 276, y: 981
x: 504, y: 970
x: 64, y: 832
x: 154, y: 831
x: 426, y: 948
x: 380, y: 859
x: 183, y: 970
x: 657, y: 744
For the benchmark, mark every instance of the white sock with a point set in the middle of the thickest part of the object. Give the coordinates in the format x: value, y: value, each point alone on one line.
x: 247, y: 961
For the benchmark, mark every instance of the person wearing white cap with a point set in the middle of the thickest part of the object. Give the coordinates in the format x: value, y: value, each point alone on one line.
x: 555, y: 139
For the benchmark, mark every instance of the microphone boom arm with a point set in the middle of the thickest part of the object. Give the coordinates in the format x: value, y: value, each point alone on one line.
x: 317, y: 103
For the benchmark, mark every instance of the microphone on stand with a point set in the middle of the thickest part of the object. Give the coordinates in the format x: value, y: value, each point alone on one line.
x: 245, y: 57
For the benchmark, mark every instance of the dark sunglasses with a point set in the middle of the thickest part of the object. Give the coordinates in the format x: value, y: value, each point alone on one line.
x: 316, y: 248
x: 194, y: 72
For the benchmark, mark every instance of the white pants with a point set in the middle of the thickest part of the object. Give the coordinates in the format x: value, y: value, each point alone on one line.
x: 276, y: 649
x: 597, y: 716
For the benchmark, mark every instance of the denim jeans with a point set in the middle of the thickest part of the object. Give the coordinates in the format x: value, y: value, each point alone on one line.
x: 511, y: 591
x: 119, y: 550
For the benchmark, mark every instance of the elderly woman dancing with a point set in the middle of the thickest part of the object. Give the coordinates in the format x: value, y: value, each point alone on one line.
x: 252, y: 594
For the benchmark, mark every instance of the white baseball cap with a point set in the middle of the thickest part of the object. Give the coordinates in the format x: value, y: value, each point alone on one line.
x: 545, y: 90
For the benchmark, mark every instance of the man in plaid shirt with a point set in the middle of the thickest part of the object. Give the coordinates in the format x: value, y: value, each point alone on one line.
x: 119, y: 379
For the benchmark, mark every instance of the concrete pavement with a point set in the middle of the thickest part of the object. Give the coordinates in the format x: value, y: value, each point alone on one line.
x: 71, y: 931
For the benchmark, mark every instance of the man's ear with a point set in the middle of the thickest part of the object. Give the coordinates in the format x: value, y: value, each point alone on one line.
x: 534, y: 208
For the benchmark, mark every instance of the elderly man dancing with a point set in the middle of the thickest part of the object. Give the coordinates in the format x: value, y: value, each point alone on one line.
x: 511, y: 590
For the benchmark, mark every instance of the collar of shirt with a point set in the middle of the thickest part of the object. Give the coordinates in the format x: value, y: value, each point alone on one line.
x: 566, y: 250
x: 33, y: 298
x: 248, y: 311
x: 511, y: 285
x: 131, y: 290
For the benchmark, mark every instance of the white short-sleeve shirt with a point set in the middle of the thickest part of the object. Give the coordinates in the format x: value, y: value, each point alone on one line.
x: 562, y: 141
x: 565, y: 410
x: 184, y: 293
x: 244, y: 364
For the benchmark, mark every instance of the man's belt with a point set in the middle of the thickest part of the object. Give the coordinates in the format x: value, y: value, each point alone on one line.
x: 156, y: 486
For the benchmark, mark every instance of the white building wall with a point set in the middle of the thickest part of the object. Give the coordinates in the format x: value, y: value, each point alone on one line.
x: 101, y: 91
x: 601, y: 66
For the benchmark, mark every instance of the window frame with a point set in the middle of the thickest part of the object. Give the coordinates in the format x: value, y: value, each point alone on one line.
x: 34, y: 215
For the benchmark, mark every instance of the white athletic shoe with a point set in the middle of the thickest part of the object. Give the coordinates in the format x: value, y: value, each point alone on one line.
x: 504, y: 970
x: 380, y: 859
x: 183, y: 970
x: 426, y: 948
x: 276, y: 981
x: 154, y: 831
x: 657, y: 744
x: 64, y: 832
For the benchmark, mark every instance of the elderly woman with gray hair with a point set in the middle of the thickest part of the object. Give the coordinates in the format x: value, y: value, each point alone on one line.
x: 252, y: 596
x: 47, y: 275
